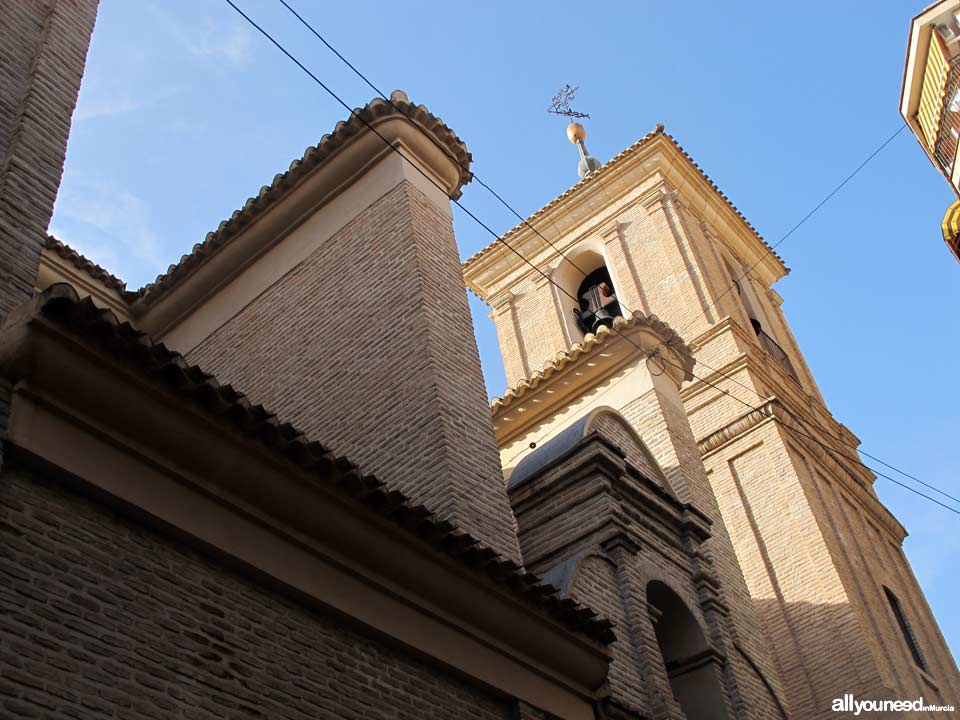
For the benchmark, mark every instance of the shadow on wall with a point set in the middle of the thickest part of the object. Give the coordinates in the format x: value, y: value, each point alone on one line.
x: 823, y: 648
x: 686, y: 656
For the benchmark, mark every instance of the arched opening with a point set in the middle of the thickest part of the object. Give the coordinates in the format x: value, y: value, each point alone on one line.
x: 577, y: 292
x: 693, y: 668
x: 598, y: 304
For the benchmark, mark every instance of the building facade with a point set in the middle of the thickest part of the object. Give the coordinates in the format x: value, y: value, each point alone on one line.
x: 930, y: 98
x: 184, y: 536
x: 804, y: 550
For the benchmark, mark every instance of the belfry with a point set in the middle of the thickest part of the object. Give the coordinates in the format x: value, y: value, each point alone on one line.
x: 653, y: 302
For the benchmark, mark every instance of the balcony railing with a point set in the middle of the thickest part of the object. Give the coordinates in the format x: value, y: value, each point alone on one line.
x: 777, y: 353
x: 948, y: 132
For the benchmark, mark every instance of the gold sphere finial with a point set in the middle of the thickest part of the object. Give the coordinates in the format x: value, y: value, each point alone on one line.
x: 576, y: 133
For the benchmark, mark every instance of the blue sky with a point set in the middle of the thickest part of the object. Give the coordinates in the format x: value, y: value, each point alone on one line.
x: 184, y: 112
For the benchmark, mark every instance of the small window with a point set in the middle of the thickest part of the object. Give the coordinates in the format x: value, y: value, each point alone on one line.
x: 598, y: 303
x: 908, y: 635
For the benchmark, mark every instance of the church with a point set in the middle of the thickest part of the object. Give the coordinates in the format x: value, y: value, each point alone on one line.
x: 219, y: 497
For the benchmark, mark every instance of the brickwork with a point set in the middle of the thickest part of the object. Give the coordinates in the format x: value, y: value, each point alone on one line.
x: 661, y: 420
x: 573, y: 517
x: 104, y: 617
x: 368, y: 347
x: 794, y: 550
x: 613, y: 428
x: 598, y: 586
x: 811, y: 539
x: 42, y: 55
x: 868, y: 559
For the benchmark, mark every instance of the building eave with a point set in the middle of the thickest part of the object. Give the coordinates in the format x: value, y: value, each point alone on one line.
x: 150, y: 402
x: 483, y: 271
x: 605, y: 351
x: 917, y: 40
x: 424, y: 126
x: 914, y: 68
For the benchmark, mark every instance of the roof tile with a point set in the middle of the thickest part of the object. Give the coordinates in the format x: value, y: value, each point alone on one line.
x: 605, y: 168
x: 102, y: 330
x: 376, y: 109
x: 590, y: 342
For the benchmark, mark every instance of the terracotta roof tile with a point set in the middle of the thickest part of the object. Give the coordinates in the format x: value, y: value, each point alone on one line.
x: 88, y: 266
x: 590, y: 342
x: 605, y: 168
x: 233, y: 410
x: 376, y: 109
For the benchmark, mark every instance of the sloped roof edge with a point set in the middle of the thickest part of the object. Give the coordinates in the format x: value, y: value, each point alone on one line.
x: 232, y: 410
x: 345, y: 130
x: 79, y: 261
x: 590, y: 342
x: 607, y: 167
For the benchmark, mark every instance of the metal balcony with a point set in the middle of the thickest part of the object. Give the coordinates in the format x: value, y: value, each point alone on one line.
x: 777, y: 353
x: 948, y: 130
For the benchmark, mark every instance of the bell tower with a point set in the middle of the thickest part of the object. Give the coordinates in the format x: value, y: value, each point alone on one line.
x: 822, y: 599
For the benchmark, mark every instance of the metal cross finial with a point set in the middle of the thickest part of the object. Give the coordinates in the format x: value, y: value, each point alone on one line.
x: 560, y: 105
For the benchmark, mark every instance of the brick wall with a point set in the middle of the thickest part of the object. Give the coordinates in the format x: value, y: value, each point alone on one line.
x: 368, y: 347
x: 623, y: 436
x: 43, y: 48
x: 659, y: 418
x: 563, y: 519
x: 798, y: 531
x: 104, y: 617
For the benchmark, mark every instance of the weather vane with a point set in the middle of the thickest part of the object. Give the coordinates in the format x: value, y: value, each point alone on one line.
x: 560, y: 105
x: 576, y: 133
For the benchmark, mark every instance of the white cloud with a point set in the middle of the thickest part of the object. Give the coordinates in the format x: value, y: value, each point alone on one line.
x: 98, y: 102
x: 107, y: 107
x: 109, y: 225
x: 232, y: 44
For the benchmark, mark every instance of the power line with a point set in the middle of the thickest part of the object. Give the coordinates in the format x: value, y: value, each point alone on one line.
x: 525, y: 222
x: 795, y: 431
x: 390, y: 145
x: 854, y: 447
x: 429, y: 136
x: 806, y: 217
x: 833, y: 450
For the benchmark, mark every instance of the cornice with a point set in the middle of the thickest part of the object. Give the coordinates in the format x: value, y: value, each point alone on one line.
x: 428, y: 137
x: 80, y: 358
x: 640, y: 505
x: 60, y: 263
x: 856, y: 478
x: 743, y: 424
x: 654, y: 154
x: 648, y: 332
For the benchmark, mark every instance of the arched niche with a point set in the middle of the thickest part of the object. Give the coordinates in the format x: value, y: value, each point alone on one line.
x: 606, y: 422
x: 585, y: 292
x: 692, y: 667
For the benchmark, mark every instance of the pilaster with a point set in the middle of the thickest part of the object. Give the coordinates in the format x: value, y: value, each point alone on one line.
x: 503, y: 312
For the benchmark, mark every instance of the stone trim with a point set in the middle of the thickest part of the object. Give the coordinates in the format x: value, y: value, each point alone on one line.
x: 856, y: 478
x: 375, y: 112
x: 569, y: 358
x: 607, y: 168
x: 101, y: 275
x: 732, y: 431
